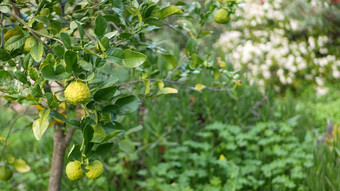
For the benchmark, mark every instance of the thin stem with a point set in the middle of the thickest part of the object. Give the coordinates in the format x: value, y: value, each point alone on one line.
x: 174, y: 28
x: 30, y: 30
x: 178, y: 67
x: 9, y: 132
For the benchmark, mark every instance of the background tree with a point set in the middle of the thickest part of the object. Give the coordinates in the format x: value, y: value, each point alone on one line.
x: 86, y: 64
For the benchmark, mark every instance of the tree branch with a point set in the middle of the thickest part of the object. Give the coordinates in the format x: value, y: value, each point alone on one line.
x: 124, y: 85
x: 30, y: 30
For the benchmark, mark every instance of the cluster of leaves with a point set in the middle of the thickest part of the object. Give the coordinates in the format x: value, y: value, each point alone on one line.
x: 224, y: 157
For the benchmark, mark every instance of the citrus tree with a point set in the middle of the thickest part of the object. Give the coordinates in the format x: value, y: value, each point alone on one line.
x: 86, y: 64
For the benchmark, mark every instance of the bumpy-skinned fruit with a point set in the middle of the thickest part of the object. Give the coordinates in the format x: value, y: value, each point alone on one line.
x: 74, y: 171
x: 95, y: 169
x: 77, y: 93
x: 221, y: 16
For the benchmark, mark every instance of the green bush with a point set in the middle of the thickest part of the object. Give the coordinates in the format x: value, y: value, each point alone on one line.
x: 266, y: 156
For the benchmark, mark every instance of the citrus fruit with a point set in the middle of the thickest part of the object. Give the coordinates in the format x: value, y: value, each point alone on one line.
x: 95, y: 169
x: 74, y: 171
x: 5, y: 173
x: 221, y: 16
x: 77, y: 93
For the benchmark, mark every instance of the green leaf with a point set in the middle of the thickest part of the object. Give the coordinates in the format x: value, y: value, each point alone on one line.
x: 5, y: 9
x: 22, y: 77
x: 4, y: 75
x: 126, y: 146
x: 37, y: 51
x: 74, y: 153
x: 81, y: 30
x: 28, y: 61
x: 4, y: 56
x: 41, y: 124
x: 167, y: 90
x: 71, y: 59
x: 59, y: 51
x: 36, y: 91
x: 66, y: 40
x: 167, y: 11
x: 103, y: 149
x: 33, y: 73
x: 54, y: 114
x: 85, y: 65
x: 105, y: 94
x: 49, y: 73
x: 110, y: 135
x: 101, y: 25
x: 88, y: 134
x: 133, y: 130
x: 15, y: 42
x: 133, y: 59
x: 127, y: 104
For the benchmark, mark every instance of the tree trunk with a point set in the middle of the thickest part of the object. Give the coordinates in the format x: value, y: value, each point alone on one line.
x: 57, y: 167
x: 59, y: 148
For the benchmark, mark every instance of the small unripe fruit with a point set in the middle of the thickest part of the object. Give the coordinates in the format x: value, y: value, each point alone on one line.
x: 5, y: 173
x: 74, y: 171
x: 77, y: 93
x: 221, y: 16
x: 95, y: 168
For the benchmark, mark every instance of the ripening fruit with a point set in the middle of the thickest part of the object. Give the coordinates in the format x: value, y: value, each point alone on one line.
x: 5, y: 173
x: 95, y: 169
x: 77, y: 93
x: 29, y: 43
x: 221, y: 16
x: 74, y: 171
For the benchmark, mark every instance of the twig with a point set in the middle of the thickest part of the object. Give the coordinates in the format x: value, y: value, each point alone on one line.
x: 9, y: 132
x: 46, y: 36
x: 179, y: 66
x: 15, y: 7
x: 30, y: 30
x: 124, y: 85
x: 174, y: 28
x: 2, y: 30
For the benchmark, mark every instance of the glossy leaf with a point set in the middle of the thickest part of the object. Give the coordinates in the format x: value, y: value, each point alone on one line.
x: 101, y: 25
x: 37, y: 51
x: 133, y: 59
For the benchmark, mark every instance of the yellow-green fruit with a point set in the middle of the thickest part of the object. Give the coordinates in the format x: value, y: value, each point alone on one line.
x: 77, y: 93
x: 221, y: 16
x: 74, y: 171
x: 5, y: 173
x: 95, y: 169
x: 29, y: 43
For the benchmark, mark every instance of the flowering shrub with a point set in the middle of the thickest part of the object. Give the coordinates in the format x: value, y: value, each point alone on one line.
x: 286, y: 44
